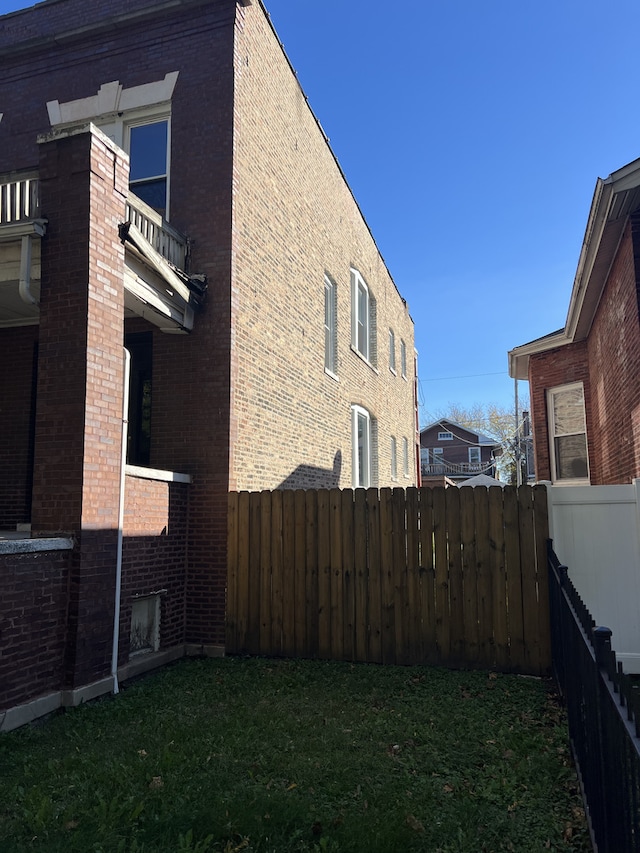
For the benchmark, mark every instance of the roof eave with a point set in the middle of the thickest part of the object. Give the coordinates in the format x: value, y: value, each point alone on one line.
x: 613, y: 200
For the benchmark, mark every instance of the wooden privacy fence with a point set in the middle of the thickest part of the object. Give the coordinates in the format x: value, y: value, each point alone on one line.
x: 452, y: 577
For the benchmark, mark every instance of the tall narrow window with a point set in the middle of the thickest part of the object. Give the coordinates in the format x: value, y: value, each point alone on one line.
x: 403, y: 359
x: 392, y: 351
x: 363, y: 448
x: 394, y: 459
x: 148, y: 152
x: 474, y: 456
x: 568, y: 434
x: 363, y: 318
x: 405, y: 457
x: 330, y: 326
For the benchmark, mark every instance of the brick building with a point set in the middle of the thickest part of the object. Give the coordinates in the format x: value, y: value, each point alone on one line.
x: 451, y: 453
x: 585, y: 378
x: 165, y: 185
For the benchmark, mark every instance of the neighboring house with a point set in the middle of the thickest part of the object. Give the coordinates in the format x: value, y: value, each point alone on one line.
x: 585, y: 378
x: 165, y: 185
x: 451, y: 452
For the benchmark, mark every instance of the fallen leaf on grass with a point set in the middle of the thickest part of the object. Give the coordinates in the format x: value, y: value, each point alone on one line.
x: 156, y: 783
x: 415, y: 824
x: 71, y: 824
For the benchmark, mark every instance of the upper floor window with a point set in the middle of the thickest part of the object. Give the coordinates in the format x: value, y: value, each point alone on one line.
x: 149, y: 162
x: 474, y: 456
x: 405, y: 457
x: 445, y: 436
x: 136, y: 119
x: 403, y: 359
x: 330, y: 326
x: 363, y: 318
x: 394, y: 459
x: 392, y: 351
x: 568, y: 434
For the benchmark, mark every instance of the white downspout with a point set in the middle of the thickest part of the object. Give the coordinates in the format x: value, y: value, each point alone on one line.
x: 24, y: 285
x: 123, y: 462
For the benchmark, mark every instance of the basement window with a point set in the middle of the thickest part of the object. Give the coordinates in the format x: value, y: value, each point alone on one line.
x: 145, y: 625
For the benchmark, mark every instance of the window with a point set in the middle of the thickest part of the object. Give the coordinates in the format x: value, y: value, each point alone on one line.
x: 330, y: 326
x: 568, y: 434
x: 148, y: 153
x: 363, y: 318
x: 136, y: 119
x: 474, y: 456
x: 364, y: 457
x: 392, y: 351
x: 403, y: 359
x: 438, y: 454
x: 405, y: 457
x: 445, y: 436
x: 394, y: 459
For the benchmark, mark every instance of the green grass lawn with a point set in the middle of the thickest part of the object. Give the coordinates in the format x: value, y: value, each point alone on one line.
x: 264, y: 755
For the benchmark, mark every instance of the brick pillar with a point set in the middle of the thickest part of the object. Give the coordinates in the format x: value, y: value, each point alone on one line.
x: 83, y: 178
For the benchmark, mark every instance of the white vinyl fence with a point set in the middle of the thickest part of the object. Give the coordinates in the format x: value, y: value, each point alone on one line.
x: 596, y: 534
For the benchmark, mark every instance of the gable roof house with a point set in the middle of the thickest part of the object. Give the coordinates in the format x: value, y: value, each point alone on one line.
x: 164, y: 186
x: 585, y: 378
x: 451, y: 454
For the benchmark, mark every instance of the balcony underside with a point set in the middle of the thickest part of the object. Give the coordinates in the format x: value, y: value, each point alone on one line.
x: 156, y: 287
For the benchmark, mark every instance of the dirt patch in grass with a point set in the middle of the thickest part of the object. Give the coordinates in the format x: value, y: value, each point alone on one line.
x: 262, y: 755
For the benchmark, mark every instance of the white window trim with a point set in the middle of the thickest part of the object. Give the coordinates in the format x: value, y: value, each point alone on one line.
x: 330, y: 288
x: 368, y: 478
x: 392, y: 352
x: 370, y: 354
x: 574, y: 481
x: 445, y: 436
x: 403, y: 359
x: 394, y: 458
x: 405, y: 456
x: 475, y: 451
x: 437, y: 451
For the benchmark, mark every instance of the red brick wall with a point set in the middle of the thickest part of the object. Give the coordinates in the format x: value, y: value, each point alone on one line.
x: 33, y: 608
x: 80, y: 381
x: 16, y: 424
x: 154, y: 555
x: 546, y: 370
x: 608, y: 363
x: 613, y: 351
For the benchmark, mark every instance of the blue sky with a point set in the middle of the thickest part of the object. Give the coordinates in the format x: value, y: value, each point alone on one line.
x: 472, y: 134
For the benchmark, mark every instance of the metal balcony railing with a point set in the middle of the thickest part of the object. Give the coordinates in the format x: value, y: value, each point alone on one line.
x: 454, y: 469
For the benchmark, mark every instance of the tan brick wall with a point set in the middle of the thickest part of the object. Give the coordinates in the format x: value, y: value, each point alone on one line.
x: 295, y: 221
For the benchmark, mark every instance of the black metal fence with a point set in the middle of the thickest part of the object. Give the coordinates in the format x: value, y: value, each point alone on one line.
x: 603, y: 709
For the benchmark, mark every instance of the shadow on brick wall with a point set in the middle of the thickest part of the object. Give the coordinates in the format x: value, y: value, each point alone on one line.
x: 313, y: 477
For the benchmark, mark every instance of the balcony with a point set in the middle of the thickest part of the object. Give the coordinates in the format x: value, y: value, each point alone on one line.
x: 456, y: 469
x: 165, y: 240
x: 20, y: 203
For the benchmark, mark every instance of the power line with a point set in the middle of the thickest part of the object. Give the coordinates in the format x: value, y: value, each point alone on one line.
x: 468, y: 376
